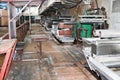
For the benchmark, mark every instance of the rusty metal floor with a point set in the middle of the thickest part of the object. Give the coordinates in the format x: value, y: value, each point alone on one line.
x: 56, y: 64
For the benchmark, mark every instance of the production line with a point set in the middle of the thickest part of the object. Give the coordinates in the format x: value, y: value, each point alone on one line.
x: 59, y: 40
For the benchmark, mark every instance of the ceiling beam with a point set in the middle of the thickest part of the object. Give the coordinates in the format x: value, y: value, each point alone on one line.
x: 19, y: 3
x: 14, y: 0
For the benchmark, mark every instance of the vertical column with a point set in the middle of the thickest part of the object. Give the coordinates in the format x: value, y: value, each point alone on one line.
x: 29, y: 20
x: 12, y: 23
x: 13, y: 17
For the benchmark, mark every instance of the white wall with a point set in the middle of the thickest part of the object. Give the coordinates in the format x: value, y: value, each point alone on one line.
x: 108, y: 6
x: 113, y: 17
x: 37, y: 17
x: 33, y: 11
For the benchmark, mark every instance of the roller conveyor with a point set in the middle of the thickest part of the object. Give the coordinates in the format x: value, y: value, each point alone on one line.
x: 103, y: 56
x: 92, y: 18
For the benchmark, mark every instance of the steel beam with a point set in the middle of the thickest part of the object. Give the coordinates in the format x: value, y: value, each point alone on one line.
x: 29, y: 20
x: 12, y: 24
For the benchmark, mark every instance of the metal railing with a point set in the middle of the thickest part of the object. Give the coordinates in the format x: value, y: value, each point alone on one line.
x: 21, y: 32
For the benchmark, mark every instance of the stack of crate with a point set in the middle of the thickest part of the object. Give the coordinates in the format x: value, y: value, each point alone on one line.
x: 3, y: 17
x: 64, y: 29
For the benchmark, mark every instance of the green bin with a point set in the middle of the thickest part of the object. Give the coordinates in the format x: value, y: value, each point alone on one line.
x: 87, y: 26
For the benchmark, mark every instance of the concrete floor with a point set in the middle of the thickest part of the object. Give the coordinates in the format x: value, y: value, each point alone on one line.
x: 56, y: 63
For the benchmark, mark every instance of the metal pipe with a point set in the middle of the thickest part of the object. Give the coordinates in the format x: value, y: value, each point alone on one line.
x: 41, y: 3
x: 97, y: 6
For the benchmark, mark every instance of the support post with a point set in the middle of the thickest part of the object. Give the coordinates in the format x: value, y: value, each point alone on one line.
x: 29, y: 20
x: 13, y: 16
x: 12, y: 24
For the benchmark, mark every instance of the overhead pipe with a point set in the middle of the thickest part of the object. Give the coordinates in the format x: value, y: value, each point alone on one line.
x: 97, y: 6
x: 71, y: 1
x: 41, y: 3
x: 74, y: 5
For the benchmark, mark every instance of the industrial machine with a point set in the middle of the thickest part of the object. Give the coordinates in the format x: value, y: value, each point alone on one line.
x: 103, y: 53
x: 103, y: 56
x: 87, y: 25
x: 62, y: 29
x: 91, y: 22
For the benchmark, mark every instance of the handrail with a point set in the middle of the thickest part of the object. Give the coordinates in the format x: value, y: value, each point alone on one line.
x: 21, y: 32
x: 21, y: 25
